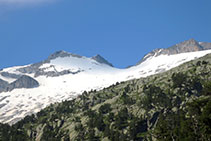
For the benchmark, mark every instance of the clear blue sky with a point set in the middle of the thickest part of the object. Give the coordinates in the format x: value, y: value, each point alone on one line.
x: 122, y: 31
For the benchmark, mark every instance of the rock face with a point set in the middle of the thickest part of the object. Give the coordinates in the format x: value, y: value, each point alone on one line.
x: 10, y: 75
x: 3, y: 85
x: 183, y: 47
x: 54, y: 73
x: 205, y: 45
x: 186, y: 46
x: 22, y: 82
x: 100, y: 59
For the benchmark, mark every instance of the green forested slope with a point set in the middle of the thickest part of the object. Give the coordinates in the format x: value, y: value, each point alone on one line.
x: 175, y: 105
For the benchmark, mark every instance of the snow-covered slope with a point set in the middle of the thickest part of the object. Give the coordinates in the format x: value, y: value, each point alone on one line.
x: 64, y: 76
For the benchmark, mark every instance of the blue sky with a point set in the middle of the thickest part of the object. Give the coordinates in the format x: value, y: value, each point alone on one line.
x: 122, y: 31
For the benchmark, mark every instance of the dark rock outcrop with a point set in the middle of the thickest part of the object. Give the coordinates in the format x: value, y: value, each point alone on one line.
x: 23, y: 82
x: 3, y: 85
x: 100, y: 59
x: 183, y: 47
x: 10, y: 75
x: 55, y: 73
x: 205, y: 45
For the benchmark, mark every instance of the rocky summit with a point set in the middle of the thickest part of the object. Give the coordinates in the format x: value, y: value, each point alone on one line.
x: 183, y: 47
x: 100, y: 59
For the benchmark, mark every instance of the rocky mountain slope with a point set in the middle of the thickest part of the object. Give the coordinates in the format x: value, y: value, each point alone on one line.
x: 183, y: 47
x: 173, y: 105
x: 23, y: 81
x: 63, y: 76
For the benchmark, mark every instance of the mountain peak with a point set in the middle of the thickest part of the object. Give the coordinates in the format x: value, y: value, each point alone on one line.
x: 191, y: 40
x: 100, y: 59
x: 187, y: 46
x: 62, y: 53
x: 190, y: 45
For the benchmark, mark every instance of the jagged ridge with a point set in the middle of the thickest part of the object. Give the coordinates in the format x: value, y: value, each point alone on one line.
x: 187, y: 46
